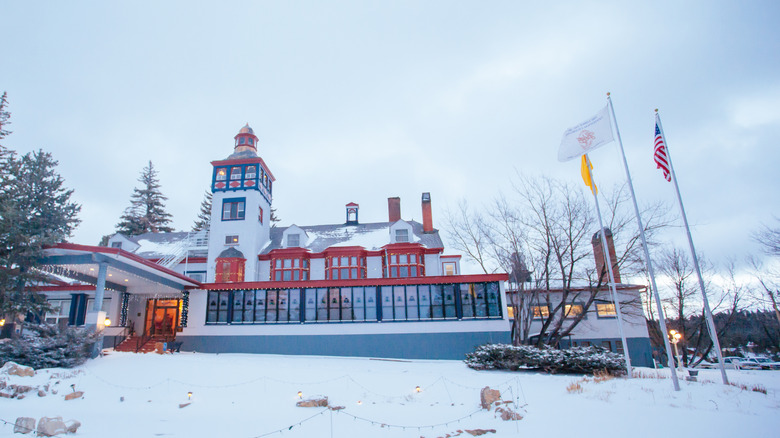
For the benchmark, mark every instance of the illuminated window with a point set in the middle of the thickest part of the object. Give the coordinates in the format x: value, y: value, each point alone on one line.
x: 235, y: 173
x: 233, y: 209
x: 449, y: 268
x: 251, y: 172
x: 606, y: 310
x: 573, y: 310
x: 231, y: 240
x: 540, y: 312
x: 221, y: 174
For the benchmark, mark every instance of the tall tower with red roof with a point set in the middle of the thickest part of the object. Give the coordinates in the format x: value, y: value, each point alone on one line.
x: 242, y: 185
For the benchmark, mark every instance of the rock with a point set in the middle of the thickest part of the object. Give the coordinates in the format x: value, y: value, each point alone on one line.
x: 122, y: 398
x: 74, y: 395
x: 184, y: 405
x: 24, y: 425
x: 51, y: 426
x: 335, y: 408
x: 478, y: 432
x: 14, y: 369
x: 487, y: 396
x: 73, y: 426
x: 20, y: 396
x: 54, y: 391
x: 508, y: 414
x: 41, y: 393
x: 313, y: 403
x: 20, y: 389
x: 6, y: 395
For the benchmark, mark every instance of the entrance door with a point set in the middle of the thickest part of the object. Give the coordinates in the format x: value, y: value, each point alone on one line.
x: 162, y: 317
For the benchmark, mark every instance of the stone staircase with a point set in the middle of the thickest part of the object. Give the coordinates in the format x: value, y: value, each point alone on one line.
x: 131, y: 343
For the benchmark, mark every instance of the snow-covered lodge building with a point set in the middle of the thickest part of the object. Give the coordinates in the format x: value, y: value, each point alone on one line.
x: 383, y: 289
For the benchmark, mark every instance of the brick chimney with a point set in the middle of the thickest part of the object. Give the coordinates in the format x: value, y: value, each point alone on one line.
x: 426, y: 212
x: 394, y: 209
x: 598, y: 253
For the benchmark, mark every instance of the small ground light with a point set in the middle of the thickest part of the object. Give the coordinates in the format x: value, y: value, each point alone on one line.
x: 418, y: 389
x: 189, y: 395
x: 360, y: 402
x: 300, y: 394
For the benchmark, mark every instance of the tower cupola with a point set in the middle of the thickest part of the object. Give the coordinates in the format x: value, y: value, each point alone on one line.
x: 246, y: 140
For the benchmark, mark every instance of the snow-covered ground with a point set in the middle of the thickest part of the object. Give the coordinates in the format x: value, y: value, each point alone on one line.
x: 245, y: 396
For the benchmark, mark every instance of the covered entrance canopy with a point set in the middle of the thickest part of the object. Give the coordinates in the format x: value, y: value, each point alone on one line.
x: 120, y: 270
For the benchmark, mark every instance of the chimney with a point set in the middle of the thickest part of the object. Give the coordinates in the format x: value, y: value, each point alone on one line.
x: 598, y: 253
x: 426, y: 212
x: 394, y: 209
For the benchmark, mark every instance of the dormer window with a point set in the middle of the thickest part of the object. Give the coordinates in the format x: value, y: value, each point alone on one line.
x: 293, y: 240
x: 221, y: 174
x: 116, y: 245
x: 402, y: 235
x: 235, y: 173
x: 251, y: 172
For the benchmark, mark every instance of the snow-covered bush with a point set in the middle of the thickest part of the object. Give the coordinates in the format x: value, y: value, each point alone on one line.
x: 548, y: 359
x: 45, y: 346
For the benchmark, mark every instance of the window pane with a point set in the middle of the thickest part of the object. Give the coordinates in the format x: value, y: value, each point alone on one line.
x: 272, y: 299
x: 467, y: 298
x: 480, y: 304
x: 437, y: 295
x: 402, y: 259
x: 286, y: 275
x: 282, y: 305
x: 354, y: 273
x: 411, y: 303
x: 345, y: 261
x: 358, y: 303
x: 334, y: 304
x: 424, y: 301
x: 344, y: 273
x: 353, y: 261
x: 322, y: 304
x: 393, y: 272
x: 249, y: 301
x: 260, y: 305
x: 449, y: 301
x: 413, y: 271
x: 235, y: 173
x: 387, y: 303
x: 370, y: 295
x: 346, y: 304
x: 310, y: 298
x: 400, y: 302
x: 296, y: 275
x: 211, y: 312
x: 238, y: 306
x: 294, y: 296
x: 403, y: 271
x: 494, y: 298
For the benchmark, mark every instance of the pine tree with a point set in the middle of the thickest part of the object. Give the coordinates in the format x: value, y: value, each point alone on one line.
x: 204, y: 216
x: 274, y: 218
x: 35, y: 211
x: 5, y: 117
x: 146, y: 212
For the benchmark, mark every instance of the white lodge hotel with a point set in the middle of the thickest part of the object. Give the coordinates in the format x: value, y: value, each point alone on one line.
x: 382, y: 289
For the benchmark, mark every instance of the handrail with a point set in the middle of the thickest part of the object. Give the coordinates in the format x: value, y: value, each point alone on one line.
x: 140, y: 341
x: 123, y: 335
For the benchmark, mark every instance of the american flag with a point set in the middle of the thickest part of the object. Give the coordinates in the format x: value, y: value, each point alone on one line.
x: 661, y: 159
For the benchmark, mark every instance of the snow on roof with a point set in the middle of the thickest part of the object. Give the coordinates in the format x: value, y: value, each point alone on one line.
x: 371, y: 236
x: 157, y: 245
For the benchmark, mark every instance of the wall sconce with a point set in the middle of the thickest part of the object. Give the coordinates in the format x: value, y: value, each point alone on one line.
x: 2, y: 322
x: 189, y: 395
x: 107, y: 322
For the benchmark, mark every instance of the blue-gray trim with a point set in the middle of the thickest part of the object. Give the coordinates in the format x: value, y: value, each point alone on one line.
x: 405, y: 346
x: 639, y: 349
x: 78, y: 309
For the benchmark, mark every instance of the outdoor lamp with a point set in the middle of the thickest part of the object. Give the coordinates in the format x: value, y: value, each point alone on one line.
x: 300, y: 394
x: 2, y: 322
x: 107, y: 322
x: 418, y: 389
x: 189, y: 395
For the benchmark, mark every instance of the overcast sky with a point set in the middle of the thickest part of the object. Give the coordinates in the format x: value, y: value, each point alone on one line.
x: 360, y: 101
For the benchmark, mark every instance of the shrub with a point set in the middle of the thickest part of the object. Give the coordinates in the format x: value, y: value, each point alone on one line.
x: 45, y: 346
x: 524, y: 357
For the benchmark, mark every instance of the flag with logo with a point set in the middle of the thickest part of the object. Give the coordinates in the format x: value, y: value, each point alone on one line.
x: 587, y: 136
x: 585, y: 169
x: 659, y: 155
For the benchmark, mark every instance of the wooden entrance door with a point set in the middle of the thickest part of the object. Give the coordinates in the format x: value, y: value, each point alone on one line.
x: 162, y: 317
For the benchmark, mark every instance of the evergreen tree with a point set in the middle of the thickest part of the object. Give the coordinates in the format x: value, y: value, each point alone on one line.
x: 204, y: 216
x: 35, y: 211
x: 146, y: 212
x: 274, y: 218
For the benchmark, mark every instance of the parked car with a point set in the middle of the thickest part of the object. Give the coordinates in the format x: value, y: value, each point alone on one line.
x: 732, y: 362
x: 759, y: 363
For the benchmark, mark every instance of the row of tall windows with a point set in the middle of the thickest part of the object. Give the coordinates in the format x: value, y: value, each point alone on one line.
x: 296, y: 269
x: 355, y: 304
x: 345, y: 268
x: 405, y: 265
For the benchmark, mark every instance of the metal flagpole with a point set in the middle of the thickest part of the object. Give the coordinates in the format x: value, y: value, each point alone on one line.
x: 661, y: 315
x: 608, y: 260
x: 707, y: 311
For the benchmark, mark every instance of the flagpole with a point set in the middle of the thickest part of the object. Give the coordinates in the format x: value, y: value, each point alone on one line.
x: 629, y: 369
x: 707, y: 311
x: 661, y: 316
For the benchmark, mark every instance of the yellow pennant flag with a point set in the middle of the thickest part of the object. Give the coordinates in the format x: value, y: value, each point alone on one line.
x: 586, y: 175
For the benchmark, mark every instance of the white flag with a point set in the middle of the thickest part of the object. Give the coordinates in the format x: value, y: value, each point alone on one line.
x: 588, y: 135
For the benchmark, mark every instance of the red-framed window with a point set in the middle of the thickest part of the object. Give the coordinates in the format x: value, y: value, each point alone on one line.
x: 407, y: 264
x: 345, y: 267
x: 289, y: 269
x: 230, y: 270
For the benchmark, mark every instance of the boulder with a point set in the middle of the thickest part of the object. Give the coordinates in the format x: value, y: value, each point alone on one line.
x: 20, y: 389
x: 24, y: 425
x: 74, y: 395
x: 41, y: 393
x: 508, y: 414
x: 51, y: 426
x: 14, y: 369
x: 313, y: 403
x: 73, y: 426
x: 488, y: 396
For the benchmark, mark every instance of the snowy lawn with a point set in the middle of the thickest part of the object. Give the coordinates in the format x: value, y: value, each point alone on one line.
x: 245, y: 396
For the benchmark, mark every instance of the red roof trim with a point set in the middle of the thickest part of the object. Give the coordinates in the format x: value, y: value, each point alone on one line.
x: 450, y: 256
x: 245, y: 161
x: 285, y: 252
x: 450, y: 279
x: 125, y: 254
